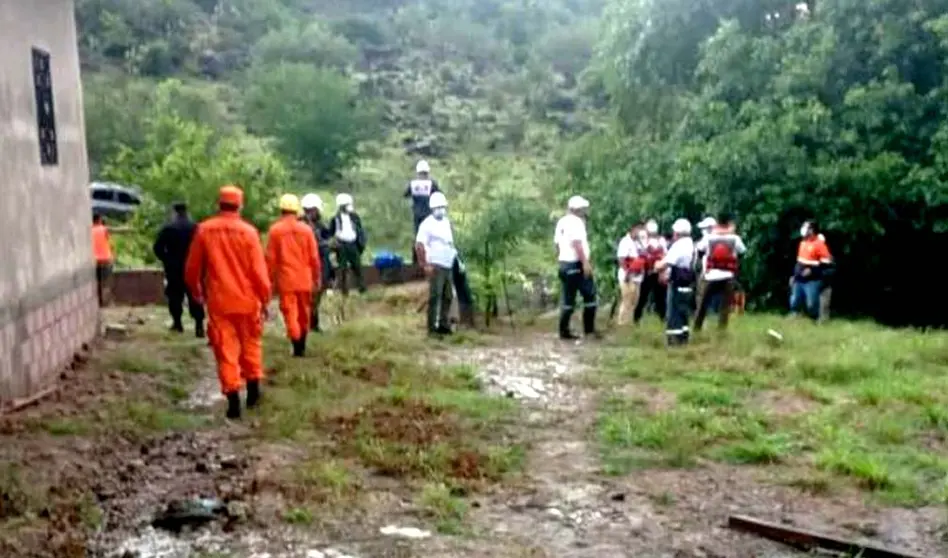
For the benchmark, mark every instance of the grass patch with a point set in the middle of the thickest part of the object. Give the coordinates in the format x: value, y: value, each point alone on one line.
x: 440, y: 503
x: 842, y: 402
x: 371, y: 405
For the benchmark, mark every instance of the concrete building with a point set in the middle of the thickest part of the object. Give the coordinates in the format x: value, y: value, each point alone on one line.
x: 48, y: 305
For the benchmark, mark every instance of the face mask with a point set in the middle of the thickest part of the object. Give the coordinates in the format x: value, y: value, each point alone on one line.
x: 804, y: 230
x: 439, y: 213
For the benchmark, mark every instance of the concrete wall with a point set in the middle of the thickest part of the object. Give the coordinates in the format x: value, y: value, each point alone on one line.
x: 48, y: 307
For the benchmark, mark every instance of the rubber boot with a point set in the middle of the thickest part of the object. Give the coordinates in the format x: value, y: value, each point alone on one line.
x: 565, y: 333
x: 589, y: 322
x: 298, y: 348
x: 314, y: 323
x: 233, y: 405
x: 253, y: 393
x: 177, y: 326
x: 199, y: 330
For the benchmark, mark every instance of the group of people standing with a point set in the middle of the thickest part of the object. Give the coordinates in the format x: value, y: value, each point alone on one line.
x: 228, y: 276
x: 680, y: 277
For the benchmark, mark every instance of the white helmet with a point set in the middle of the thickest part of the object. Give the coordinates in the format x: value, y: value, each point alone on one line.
x: 422, y: 166
x: 343, y: 200
x: 437, y: 200
x: 707, y: 223
x: 577, y: 202
x: 312, y: 201
x: 681, y: 226
x: 651, y: 227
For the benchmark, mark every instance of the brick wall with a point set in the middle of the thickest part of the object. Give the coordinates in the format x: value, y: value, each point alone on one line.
x: 43, y: 340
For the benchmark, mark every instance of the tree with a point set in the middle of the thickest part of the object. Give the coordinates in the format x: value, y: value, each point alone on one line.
x: 780, y: 113
x: 313, y: 114
x: 180, y: 159
x: 310, y: 43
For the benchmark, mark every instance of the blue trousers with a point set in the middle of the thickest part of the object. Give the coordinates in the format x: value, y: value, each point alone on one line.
x: 807, y: 295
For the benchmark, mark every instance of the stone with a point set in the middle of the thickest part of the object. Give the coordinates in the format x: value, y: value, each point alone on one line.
x: 406, y: 532
x: 116, y: 331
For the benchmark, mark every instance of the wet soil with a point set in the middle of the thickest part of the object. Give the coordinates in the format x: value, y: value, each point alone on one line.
x: 562, y: 506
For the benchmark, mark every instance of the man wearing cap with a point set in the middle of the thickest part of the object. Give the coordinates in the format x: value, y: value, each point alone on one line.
x: 678, y: 263
x: 434, y: 246
x: 723, y: 249
x: 226, y: 267
x: 419, y: 189
x: 575, y: 267
x: 295, y: 270
x: 312, y: 216
x: 171, y: 249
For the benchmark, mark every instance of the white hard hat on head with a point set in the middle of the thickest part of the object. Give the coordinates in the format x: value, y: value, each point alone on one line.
x: 312, y: 201
x: 422, y: 166
x: 437, y: 200
x: 681, y: 226
x: 577, y: 202
x: 707, y: 223
x: 651, y: 227
x: 343, y: 199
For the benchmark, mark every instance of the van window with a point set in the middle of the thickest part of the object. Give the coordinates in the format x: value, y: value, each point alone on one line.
x: 102, y: 195
x: 128, y: 199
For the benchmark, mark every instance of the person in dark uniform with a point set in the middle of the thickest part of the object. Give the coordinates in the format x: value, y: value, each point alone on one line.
x: 171, y: 248
x: 678, y: 265
x: 419, y: 190
x: 313, y: 209
x: 347, y: 231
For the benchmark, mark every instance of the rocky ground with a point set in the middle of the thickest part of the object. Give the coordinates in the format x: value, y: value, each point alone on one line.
x: 561, y: 505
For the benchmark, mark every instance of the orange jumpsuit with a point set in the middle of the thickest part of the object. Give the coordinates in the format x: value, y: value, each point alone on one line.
x: 295, y: 268
x: 226, y: 268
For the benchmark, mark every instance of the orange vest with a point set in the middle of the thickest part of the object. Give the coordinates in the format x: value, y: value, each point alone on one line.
x: 101, y: 247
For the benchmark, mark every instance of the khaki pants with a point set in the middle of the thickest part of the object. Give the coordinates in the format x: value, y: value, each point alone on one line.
x: 629, y: 292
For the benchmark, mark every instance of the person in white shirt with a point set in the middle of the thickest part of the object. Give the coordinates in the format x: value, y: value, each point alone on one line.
x: 678, y: 263
x: 434, y: 247
x: 631, y: 259
x: 575, y: 267
x: 347, y: 232
x: 722, y: 249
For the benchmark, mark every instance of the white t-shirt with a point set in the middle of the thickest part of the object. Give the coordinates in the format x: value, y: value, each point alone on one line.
x: 569, y: 229
x: 628, y: 248
x: 704, y: 246
x: 681, y: 253
x: 346, y: 232
x: 438, y: 239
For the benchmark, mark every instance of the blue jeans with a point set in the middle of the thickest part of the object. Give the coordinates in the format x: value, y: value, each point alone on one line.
x: 807, y: 294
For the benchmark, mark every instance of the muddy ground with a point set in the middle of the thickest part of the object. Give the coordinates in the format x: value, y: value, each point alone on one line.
x: 111, y: 481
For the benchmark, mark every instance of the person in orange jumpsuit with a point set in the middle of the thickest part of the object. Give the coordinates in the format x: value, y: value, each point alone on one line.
x: 295, y: 270
x: 226, y: 269
x: 102, y: 251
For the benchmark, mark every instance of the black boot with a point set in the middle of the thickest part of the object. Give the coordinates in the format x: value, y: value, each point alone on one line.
x: 177, y: 326
x: 314, y: 323
x: 589, y: 322
x: 565, y: 333
x: 233, y: 405
x: 299, y: 348
x: 253, y: 393
x: 199, y: 330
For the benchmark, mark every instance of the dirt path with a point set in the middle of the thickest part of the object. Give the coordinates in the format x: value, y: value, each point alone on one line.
x: 567, y: 507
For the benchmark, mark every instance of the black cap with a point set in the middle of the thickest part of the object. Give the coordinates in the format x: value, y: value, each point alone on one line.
x: 179, y: 206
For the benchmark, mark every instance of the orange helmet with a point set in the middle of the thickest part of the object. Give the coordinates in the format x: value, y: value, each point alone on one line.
x: 231, y: 195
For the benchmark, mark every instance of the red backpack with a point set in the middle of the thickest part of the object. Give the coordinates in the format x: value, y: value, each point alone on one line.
x: 723, y: 256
